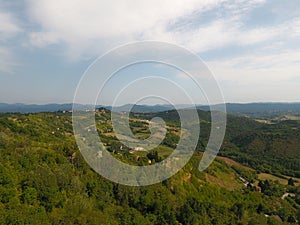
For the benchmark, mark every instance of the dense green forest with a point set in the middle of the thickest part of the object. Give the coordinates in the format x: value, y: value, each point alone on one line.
x: 272, y: 148
x: 45, y: 180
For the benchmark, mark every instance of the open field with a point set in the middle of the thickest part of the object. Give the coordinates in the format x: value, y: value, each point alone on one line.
x: 231, y: 162
x: 266, y: 176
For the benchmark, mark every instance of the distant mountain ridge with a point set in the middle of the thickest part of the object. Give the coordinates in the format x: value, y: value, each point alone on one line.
x: 147, y: 108
x: 23, y: 108
x: 34, y: 108
x: 249, y: 109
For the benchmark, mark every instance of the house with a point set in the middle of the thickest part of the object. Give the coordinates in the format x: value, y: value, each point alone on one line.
x: 139, y: 149
x: 254, y: 187
x: 258, y: 188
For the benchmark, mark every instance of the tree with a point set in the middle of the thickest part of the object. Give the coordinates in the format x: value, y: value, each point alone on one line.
x: 291, y: 182
x: 29, y: 196
x: 153, y: 155
x: 238, y: 209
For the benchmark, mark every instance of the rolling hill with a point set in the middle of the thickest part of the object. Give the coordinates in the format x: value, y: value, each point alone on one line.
x: 45, y: 180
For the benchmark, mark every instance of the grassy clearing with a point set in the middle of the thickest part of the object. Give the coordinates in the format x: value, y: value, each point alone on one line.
x: 219, y: 173
x: 266, y: 176
x: 231, y: 162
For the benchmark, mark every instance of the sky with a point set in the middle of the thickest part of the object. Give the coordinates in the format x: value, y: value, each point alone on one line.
x: 251, y: 46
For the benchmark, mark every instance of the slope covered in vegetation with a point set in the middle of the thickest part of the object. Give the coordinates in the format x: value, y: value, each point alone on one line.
x: 44, y: 180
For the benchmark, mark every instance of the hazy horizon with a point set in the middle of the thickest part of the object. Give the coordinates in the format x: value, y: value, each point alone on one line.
x: 65, y: 103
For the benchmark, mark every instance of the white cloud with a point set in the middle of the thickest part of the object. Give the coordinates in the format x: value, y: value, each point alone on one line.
x: 255, y: 70
x: 42, y: 39
x: 97, y: 25
x: 259, y: 78
x: 88, y: 20
x: 89, y: 28
x: 8, y: 29
x: 230, y: 31
x: 8, y: 26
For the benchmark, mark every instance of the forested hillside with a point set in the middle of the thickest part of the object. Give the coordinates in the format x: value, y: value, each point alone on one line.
x: 272, y: 148
x: 44, y: 179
